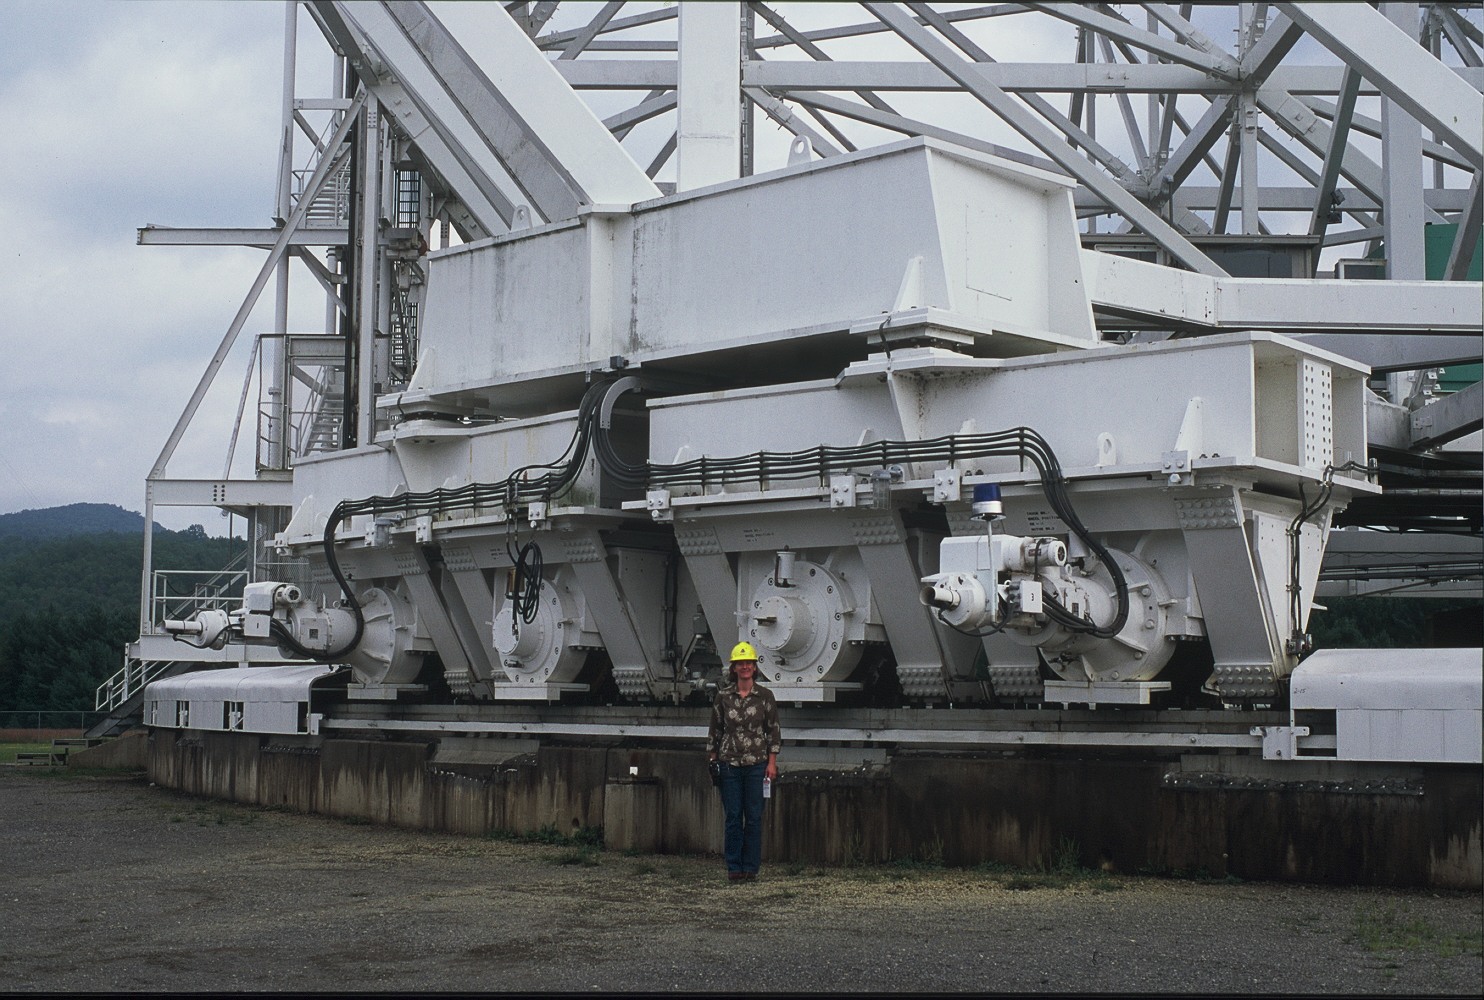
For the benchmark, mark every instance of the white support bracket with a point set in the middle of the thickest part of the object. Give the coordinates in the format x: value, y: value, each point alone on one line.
x: 1280, y: 742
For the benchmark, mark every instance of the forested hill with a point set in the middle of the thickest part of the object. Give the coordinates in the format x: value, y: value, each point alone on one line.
x: 69, y: 559
x: 69, y: 597
x: 73, y: 519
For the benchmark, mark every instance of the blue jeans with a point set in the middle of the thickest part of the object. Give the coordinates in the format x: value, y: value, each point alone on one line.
x: 742, y: 801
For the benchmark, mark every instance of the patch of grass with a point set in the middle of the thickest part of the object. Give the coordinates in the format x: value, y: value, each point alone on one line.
x: 1061, y: 871
x: 1201, y: 874
x: 1388, y: 929
x: 206, y: 815
x: 584, y: 855
x: 1066, y: 858
x: 928, y: 855
x: 62, y: 773
x: 9, y: 751
x: 586, y: 836
x: 853, y: 852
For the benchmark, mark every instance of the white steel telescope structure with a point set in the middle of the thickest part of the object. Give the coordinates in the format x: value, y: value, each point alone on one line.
x: 961, y: 354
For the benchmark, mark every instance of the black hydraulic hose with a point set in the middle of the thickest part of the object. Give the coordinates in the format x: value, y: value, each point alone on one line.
x: 557, y: 476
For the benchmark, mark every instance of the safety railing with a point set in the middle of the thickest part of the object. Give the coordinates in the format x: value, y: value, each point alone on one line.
x: 183, y: 593
x: 128, y: 682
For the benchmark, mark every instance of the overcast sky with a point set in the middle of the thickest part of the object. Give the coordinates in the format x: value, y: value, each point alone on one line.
x: 117, y: 115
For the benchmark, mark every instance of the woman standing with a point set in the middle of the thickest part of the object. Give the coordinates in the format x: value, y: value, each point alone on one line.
x: 745, y: 738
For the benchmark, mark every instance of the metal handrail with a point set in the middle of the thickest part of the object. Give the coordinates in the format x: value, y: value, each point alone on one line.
x: 211, y: 590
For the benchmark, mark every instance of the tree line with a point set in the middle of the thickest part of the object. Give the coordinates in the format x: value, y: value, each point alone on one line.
x: 70, y: 604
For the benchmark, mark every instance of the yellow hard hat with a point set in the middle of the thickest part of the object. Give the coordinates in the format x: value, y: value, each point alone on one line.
x: 743, y: 651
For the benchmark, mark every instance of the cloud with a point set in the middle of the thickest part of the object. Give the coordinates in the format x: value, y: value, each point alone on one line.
x: 125, y: 114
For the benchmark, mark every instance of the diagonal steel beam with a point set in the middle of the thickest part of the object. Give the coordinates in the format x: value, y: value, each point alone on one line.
x: 1456, y: 29
x: 1126, y: 109
x: 876, y: 27
x: 327, y: 166
x: 560, y: 39
x: 1217, y: 64
x: 1339, y: 133
x: 910, y: 126
x: 1404, y: 71
x: 488, y: 200
x: 574, y: 48
x: 1366, y: 125
x: 809, y: 48
x: 1075, y: 134
x: 1295, y: 163
x: 1259, y: 61
x: 1043, y: 136
x: 1256, y: 66
x: 1229, y: 166
x: 657, y: 103
x: 1466, y: 242
x: 1294, y: 117
x: 781, y: 113
x: 521, y: 109
x: 1182, y: 28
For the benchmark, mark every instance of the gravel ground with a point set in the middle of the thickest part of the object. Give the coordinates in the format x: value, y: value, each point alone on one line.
x: 112, y: 884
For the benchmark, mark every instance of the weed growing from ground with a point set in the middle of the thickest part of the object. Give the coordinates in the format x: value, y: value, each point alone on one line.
x: 586, y: 836
x: 1388, y: 930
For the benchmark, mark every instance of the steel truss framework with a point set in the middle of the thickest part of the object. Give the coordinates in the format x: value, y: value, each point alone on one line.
x: 1282, y: 141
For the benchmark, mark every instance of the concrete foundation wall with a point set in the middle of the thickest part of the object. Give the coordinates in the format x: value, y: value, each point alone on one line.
x: 1122, y: 815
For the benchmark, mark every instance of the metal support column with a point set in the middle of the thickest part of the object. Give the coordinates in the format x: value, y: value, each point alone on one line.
x: 709, y: 136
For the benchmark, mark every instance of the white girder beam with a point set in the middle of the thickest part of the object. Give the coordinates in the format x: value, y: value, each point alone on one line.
x: 783, y: 114
x: 1294, y: 117
x: 1401, y: 165
x: 561, y: 39
x: 502, y: 114
x: 1457, y: 31
x: 641, y: 112
x: 1449, y: 418
x: 183, y: 236
x: 1404, y: 71
x: 262, y: 492
x: 888, y: 75
x: 584, y: 36
x: 1203, y: 302
x: 909, y: 126
x: 1384, y: 353
x: 1298, y: 198
x: 447, y: 150
x: 542, y: 133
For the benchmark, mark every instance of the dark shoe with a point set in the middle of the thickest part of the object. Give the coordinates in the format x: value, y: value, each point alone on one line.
x: 736, y: 876
x: 749, y: 876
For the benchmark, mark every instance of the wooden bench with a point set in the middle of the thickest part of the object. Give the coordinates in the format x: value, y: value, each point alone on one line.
x: 49, y: 757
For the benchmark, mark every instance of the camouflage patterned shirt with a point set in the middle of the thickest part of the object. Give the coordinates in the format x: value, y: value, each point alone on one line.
x: 745, y: 730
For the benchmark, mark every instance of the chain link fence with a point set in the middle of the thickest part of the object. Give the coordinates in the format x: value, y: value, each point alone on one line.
x: 42, y: 726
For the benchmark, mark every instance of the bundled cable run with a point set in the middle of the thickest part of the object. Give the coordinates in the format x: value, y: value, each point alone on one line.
x: 543, y: 482
x: 1298, y: 643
